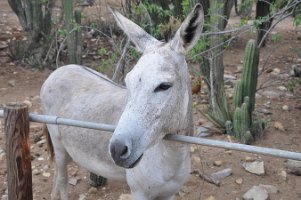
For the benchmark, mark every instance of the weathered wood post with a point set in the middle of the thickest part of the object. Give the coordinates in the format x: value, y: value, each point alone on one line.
x: 16, y: 127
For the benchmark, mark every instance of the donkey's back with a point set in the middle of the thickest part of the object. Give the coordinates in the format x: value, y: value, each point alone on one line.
x: 80, y: 93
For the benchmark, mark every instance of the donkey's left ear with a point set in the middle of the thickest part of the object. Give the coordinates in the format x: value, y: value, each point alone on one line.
x: 189, y: 32
x: 137, y: 35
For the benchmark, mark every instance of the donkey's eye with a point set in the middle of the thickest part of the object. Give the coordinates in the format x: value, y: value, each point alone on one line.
x: 163, y: 87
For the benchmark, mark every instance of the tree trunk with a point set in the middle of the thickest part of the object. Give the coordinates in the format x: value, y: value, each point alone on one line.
x: 78, y: 43
x: 35, y: 18
x: 263, y: 10
x: 216, y: 61
x: 16, y: 127
x: 227, y: 11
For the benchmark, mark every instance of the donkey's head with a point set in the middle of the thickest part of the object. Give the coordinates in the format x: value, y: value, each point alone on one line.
x: 159, y: 98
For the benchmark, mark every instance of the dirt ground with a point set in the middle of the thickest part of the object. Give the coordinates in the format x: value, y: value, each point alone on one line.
x: 19, y: 83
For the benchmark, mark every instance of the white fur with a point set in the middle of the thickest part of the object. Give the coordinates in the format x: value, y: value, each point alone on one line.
x: 143, y: 117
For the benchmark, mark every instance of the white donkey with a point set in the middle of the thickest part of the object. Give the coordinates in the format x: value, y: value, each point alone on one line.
x: 157, y: 101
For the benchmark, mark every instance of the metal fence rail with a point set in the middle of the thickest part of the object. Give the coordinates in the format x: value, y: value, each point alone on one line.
x: 179, y: 138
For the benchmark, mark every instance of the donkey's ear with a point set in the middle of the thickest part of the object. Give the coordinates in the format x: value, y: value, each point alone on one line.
x: 137, y: 35
x: 190, y: 30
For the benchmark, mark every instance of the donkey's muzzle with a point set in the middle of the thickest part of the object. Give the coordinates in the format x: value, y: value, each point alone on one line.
x: 121, y: 152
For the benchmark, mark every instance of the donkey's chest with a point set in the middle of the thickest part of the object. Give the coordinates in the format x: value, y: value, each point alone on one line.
x: 160, y: 172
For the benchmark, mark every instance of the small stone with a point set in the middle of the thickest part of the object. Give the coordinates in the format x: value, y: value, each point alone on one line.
x: 211, y: 198
x: 275, y: 72
x: 3, y: 46
x: 238, y: 69
x: 269, y: 188
x: 46, y: 174
x: 28, y: 103
x: 4, y: 197
x: 125, y: 197
x: 257, y: 96
x: 35, y: 98
x: 36, y: 172
x: 92, y: 190
x: 239, y: 181
x: 268, y: 104
x: 72, y: 181
x: 266, y: 111
x: 271, y: 94
x: 11, y: 83
x: 217, y: 163
x: 296, y: 70
x: 192, y: 148
x: 256, y: 193
x: 196, y: 159
x: 202, y: 121
x: 41, y: 142
x: 285, y: 108
x: 249, y: 159
x: 222, y: 174
x: 40, y: 159
x: 283, y: 175
x: 278, y: 126
x: 229, y: 152
x: 229, y: 80
x: 293, y: 167
x: 82, y: 197
x: 256, y: 167
x: 282, y: 88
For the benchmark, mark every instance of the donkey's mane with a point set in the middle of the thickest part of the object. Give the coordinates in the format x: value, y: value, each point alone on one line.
x: 102, y: 77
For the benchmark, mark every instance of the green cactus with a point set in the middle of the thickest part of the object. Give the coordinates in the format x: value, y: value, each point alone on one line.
x: 257, y: 126
x: 237, y: 118
x: 245, y: 128
x: 245, y: 121
x: 247, y: 138
x: 241, y: 123
x: 229, y: 127
x: 238, y: 96
x: 250, y: 73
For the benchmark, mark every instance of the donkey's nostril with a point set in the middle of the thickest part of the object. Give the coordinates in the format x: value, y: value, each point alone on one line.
x: 119, y: 150
x: 125, y: 151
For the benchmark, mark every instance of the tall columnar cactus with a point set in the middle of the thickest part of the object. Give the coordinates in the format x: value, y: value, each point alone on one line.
x: 243, y: 123
x: 245, y: 128
x: 250, y: 73
x: 72, y: 22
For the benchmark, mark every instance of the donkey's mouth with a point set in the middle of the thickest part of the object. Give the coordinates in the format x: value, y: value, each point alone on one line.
x: 134, y: 164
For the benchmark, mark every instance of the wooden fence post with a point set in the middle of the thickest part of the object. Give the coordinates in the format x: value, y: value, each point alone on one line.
x: 16, y: 127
